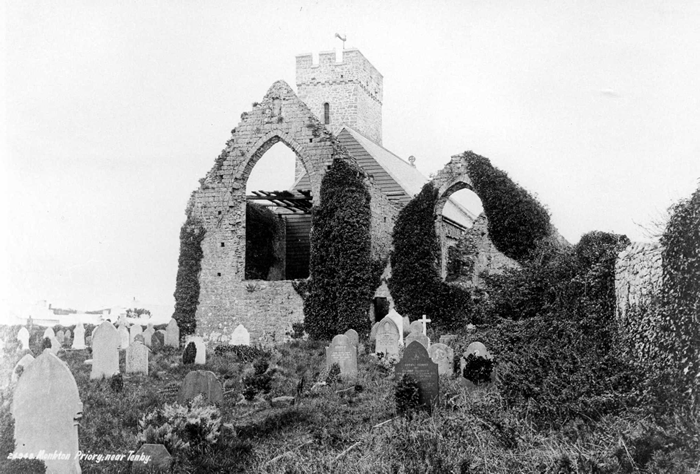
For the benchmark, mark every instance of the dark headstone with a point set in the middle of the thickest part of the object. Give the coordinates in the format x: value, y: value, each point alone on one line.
x: 204, y: 382
x: 157, y: 341
x: 417, y: 363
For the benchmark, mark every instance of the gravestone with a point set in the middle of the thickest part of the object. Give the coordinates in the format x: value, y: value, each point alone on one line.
x: 417, y: 363
x: 204, y: 382
x: 105, y: 351
x: 388, y: 337
x: 124, y: 338
x: 344, y: 353
x: 68, y: 336
x: 60, y: 336
x: 137, y: 359
x: 240, y: 336
x: 133, y: 331
x: 373, y: 332
x: 158, y: 459
x: 479, y: 350
x: 79, y: 337
x: 48, y: 333
x: 172, y: 335
x: 148, y: 335
x: 443, y: 355
x: 406, y: 326
x: 139, y: 338
x: 201, y: 357
x: 416, y: 327
x: 424, y: 340
x: 399, y: 322
x: 157, y: 341
x: 23, y: 338
x: 46, y: 407
x: 24, y: 362
x: 353, y: 336
x: 55, y: 345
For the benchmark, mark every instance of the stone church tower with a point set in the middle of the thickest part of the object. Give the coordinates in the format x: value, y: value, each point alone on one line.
x: 349, y: 92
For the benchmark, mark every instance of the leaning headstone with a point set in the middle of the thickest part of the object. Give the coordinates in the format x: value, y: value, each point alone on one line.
x: 353, y: 336
x: 201, y: 357
x: 124, y: 338
x: 443, y: 355
x: 417, y: 364
x: 79, y: 337
x: 133, y: 331
x: 344, y: 353
x: 148, y: 335
x: 240, y: 336
x: 137, y: 359
x: 46, y: 407
x: 172, y: 335
x: 201, y: 382
x: 23, y: 338
x: 21, y: 366
x: 388, y: 337
x: 398, y: 321
x: 373, y: 332
x: 105, y: 351
x: 424, y: 340
x: 151, y: 458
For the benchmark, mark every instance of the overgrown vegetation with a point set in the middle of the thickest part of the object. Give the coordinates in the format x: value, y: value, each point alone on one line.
x: 343, y: 276
x: 187, y: 283
x: 516, y: 220
x: 263, y: 228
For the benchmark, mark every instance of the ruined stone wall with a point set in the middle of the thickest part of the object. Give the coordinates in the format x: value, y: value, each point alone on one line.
x: 353, y: 88
x: 487, y: 258
x: 384, y: 214
x: 638, y: 275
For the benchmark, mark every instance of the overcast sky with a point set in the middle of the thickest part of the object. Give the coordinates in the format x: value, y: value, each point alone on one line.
x: 114, y: 110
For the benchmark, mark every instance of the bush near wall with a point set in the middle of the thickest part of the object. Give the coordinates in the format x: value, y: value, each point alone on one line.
x: 262, y: 230
x: 187, y: 283
x: 415, y: 282
x: 342, y: 274
x: 516, y: 220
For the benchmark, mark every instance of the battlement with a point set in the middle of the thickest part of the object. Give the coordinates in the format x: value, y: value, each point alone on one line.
x: 353, y: 69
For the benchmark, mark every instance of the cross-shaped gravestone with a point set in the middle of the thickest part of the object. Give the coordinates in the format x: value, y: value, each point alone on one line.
x: 425, y: 322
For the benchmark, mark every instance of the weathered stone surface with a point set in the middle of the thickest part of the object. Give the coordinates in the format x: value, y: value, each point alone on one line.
x: 420, y: 338
x: 148, y: 335
x: 157, y: 456
x: 45, y: 406
x: 172, y: 334
x: 137, y: 359
x: 373, y: 332
x: 240, y: 336
x: 124, y: 337
x: 353, y: 336
x: 417, y: 363
x: 416, y: 327
x: 443, y: 356
x: 201, y: 357
x: 281, y: 402
x: 204, y: 382
x: 387, y: 339
x: 638, y: 275
x: 157, y: 341
x: 105, y: 351
x: 134, y: 331
x: 344, y: 353
x: 399, y: 322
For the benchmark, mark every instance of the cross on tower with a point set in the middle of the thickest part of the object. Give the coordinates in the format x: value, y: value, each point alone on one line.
x: 425, y: 321
x: 341, y: 38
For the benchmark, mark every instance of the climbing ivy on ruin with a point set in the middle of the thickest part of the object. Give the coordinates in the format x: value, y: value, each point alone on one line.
x: 262, y: 231
x: 516, y: 220
x: 189, y: 266
x: 415, y: 282
x: 343, y: 276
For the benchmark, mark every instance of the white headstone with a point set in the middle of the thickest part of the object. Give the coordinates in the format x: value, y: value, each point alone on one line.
x: 137, y: 359
x: 387, y: 338
x: 240, y: 336
x: 48, y: 333
x: 24, y: 362
x: 23, y: 338
x: 443, y: 356
x: 124, y: 338
x: 172, y: 334
x: 79, y: 337
x: 201, y: 357
x: 398, y: 321
x: 105, y: 351
x: 46, y: 406
x: 148, y: 335
x: 133, y: 331
x: 344, y: 353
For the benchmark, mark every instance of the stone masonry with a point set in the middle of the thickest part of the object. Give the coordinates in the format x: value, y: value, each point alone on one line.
x: 638, y: 274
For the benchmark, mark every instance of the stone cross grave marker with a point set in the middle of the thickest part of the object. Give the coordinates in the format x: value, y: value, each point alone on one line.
x: 158, y: 458
x: 124, y: 337
x: 21, y: 365
x: 23, y: 338
x: 105, y: 351
x: 79, y: 337
x: 172, y: 334
x: 240, y: 336
x: 417, y: 364
x: 443, y: 355
x: 353, y: 336
x: 204, y: 382
x: 148, y: 335
x: 344, y: 353
x: 422, y: 339
x: 424, y: 321
x: 137, y: 359
x: 46, y: 407
x: 133, y: 331
x: 201, y: 357
x: 399, y: 322
x: 388, y: 337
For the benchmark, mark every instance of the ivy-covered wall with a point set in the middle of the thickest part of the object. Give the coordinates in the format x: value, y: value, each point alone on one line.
x: 187, y: 283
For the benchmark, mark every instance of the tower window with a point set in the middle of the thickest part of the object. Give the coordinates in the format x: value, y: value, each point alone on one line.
x: 326, y: 113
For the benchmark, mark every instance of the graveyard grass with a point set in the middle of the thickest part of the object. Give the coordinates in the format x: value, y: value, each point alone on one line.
x: 351, y: 426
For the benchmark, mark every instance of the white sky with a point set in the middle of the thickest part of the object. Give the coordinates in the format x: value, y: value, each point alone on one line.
x: 114, y: 110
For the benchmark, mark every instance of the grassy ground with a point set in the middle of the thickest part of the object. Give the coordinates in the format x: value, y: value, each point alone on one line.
x: 352, y: 426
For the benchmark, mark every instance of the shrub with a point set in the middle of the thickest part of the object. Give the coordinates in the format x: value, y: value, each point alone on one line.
x: 343, y: 279
x: 259, y: 381
x: 333, y: 376
x: 116, y: 383
x: 189, y: 266
x: 516, y: 220
x: 263, y: 228
x: 477, y: 369
x: 407, y: 395
x: 182, y: 427
x: 189, y: 354
x: 242, y: 353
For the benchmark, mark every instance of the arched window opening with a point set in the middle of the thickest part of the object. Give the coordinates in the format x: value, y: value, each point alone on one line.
x: 458, y: 242
x: 278, y: 217
x: 326, y: 113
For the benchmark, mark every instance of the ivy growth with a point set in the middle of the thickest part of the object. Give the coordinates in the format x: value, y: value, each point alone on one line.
x: 187, y: 283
